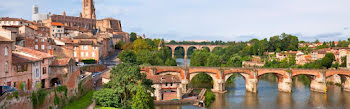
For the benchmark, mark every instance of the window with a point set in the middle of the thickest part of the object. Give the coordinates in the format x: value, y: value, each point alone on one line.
x: 6, y: 67
x: 44, y: 70
x: 36, y: 40
x: 19, y: 68
x: 42, y: 47
x: 75, y: 54
x: 171, y: 84
x: 82, y: 54
x: 166, y: 84
x: 87, y: 54
x: 93, y: 54
x: 37, y: 72
x: 42, y: 40
x: 6, y: 51
x: 49, y: 47
x: 95, y: 48
x: 36, y: 47
x: 85, y: 47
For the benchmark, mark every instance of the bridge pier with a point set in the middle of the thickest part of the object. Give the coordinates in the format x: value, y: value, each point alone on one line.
x: 285, y: 85
x: 184, y: 85
x: 219, y: 86
x: 157, y: 91
x: 346, y: 84
x: 318, y: 84
x: 251, y: 85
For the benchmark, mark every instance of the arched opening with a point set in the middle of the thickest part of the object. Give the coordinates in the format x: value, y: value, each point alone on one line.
x: 54, y: 82
x: 235, y: 82
x: 190, y: 51
x: 268, y: 83
x: 201, y: 80
x: 206, y: 48
x: 179, y: 52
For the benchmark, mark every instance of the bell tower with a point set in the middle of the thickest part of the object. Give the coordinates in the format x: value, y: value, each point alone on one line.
x: 89, y: 9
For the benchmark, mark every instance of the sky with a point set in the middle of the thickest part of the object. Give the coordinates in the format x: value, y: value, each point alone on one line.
x: 228, y: 20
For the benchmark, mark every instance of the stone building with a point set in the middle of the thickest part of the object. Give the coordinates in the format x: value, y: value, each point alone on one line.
x: 5, y: 61
x: 89, y: 9
x: 39, y: 17
x: 109, y: 25
x: 40, y: 67
x: 167, y: 87
x: 60, y: 68
x: 86, y: 47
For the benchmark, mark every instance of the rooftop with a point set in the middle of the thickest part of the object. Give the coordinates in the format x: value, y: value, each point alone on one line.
x: 61, y: 62
x: 158, y: 79
x: 31, y: 53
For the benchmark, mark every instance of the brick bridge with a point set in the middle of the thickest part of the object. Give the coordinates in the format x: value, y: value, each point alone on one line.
x: 186, y: 47
x: 251, y: 76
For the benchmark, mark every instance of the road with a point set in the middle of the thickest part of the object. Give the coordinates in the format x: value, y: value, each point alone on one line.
x: 110, y: 61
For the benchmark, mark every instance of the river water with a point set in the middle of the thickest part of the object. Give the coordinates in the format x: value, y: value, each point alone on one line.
x: 268, y: 97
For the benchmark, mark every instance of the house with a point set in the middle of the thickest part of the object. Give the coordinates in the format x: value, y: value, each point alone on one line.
x: 61, y: 68
x: 167, y: 87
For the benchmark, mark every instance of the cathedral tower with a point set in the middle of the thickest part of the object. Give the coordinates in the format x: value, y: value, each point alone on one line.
x: 89, y: 9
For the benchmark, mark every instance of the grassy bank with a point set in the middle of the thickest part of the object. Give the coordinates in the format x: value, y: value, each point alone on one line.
x: 81, y: 103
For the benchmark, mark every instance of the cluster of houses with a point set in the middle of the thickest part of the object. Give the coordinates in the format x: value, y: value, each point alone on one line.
x: 42, y: 53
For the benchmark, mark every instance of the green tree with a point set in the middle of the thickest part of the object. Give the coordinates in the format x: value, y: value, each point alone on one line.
x: 343, y: 61
x: 170, y: 62
x: 213, y: 60
x: 145, y: 57
x: 142, y: 99
x: 133, y: 36
x: 235, y: 61
x: 107, y: 98
x: 199, y: 58
x: 328, y: 60
x: 140, y: 44
x: 127, y: 56
x: 124, y: 80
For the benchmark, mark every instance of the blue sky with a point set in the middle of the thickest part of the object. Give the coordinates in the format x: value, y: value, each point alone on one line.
x: 232, y: 20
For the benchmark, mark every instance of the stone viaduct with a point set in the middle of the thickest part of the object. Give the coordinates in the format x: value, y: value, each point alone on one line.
x: 251, y: 76
x: 186, y: 47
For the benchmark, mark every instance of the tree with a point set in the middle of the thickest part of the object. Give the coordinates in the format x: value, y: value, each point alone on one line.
x: 124, y: 80
x: 170, y: 62
x: 343, y: 61
x: 235, y: 61
x: 145, y: 57
x: 327, y: 60
x: 107, y: 98
x: 140, y: 44
x: 142, y: 99
x: 133, y: 36
x: 127, y: 56
x: 213, y: 60
x: 199, y: 58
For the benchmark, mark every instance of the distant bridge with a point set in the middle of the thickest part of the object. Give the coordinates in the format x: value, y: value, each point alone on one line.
x: 251, y: 76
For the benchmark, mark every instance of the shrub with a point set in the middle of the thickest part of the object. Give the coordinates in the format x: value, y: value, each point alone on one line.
x: 209, y: 98
x: 106, y: 98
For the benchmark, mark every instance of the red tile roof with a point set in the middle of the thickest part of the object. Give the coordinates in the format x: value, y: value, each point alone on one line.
x: 164, y: 79
x: 61, y: 62
x: 19, y: 58
x: 56, y: 23
x: 33, y: 53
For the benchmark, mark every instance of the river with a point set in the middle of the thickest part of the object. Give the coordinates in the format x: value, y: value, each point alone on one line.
x: 268, y: 97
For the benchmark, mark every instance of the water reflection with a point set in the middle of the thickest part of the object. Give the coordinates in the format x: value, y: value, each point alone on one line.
x: 268, y: 97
